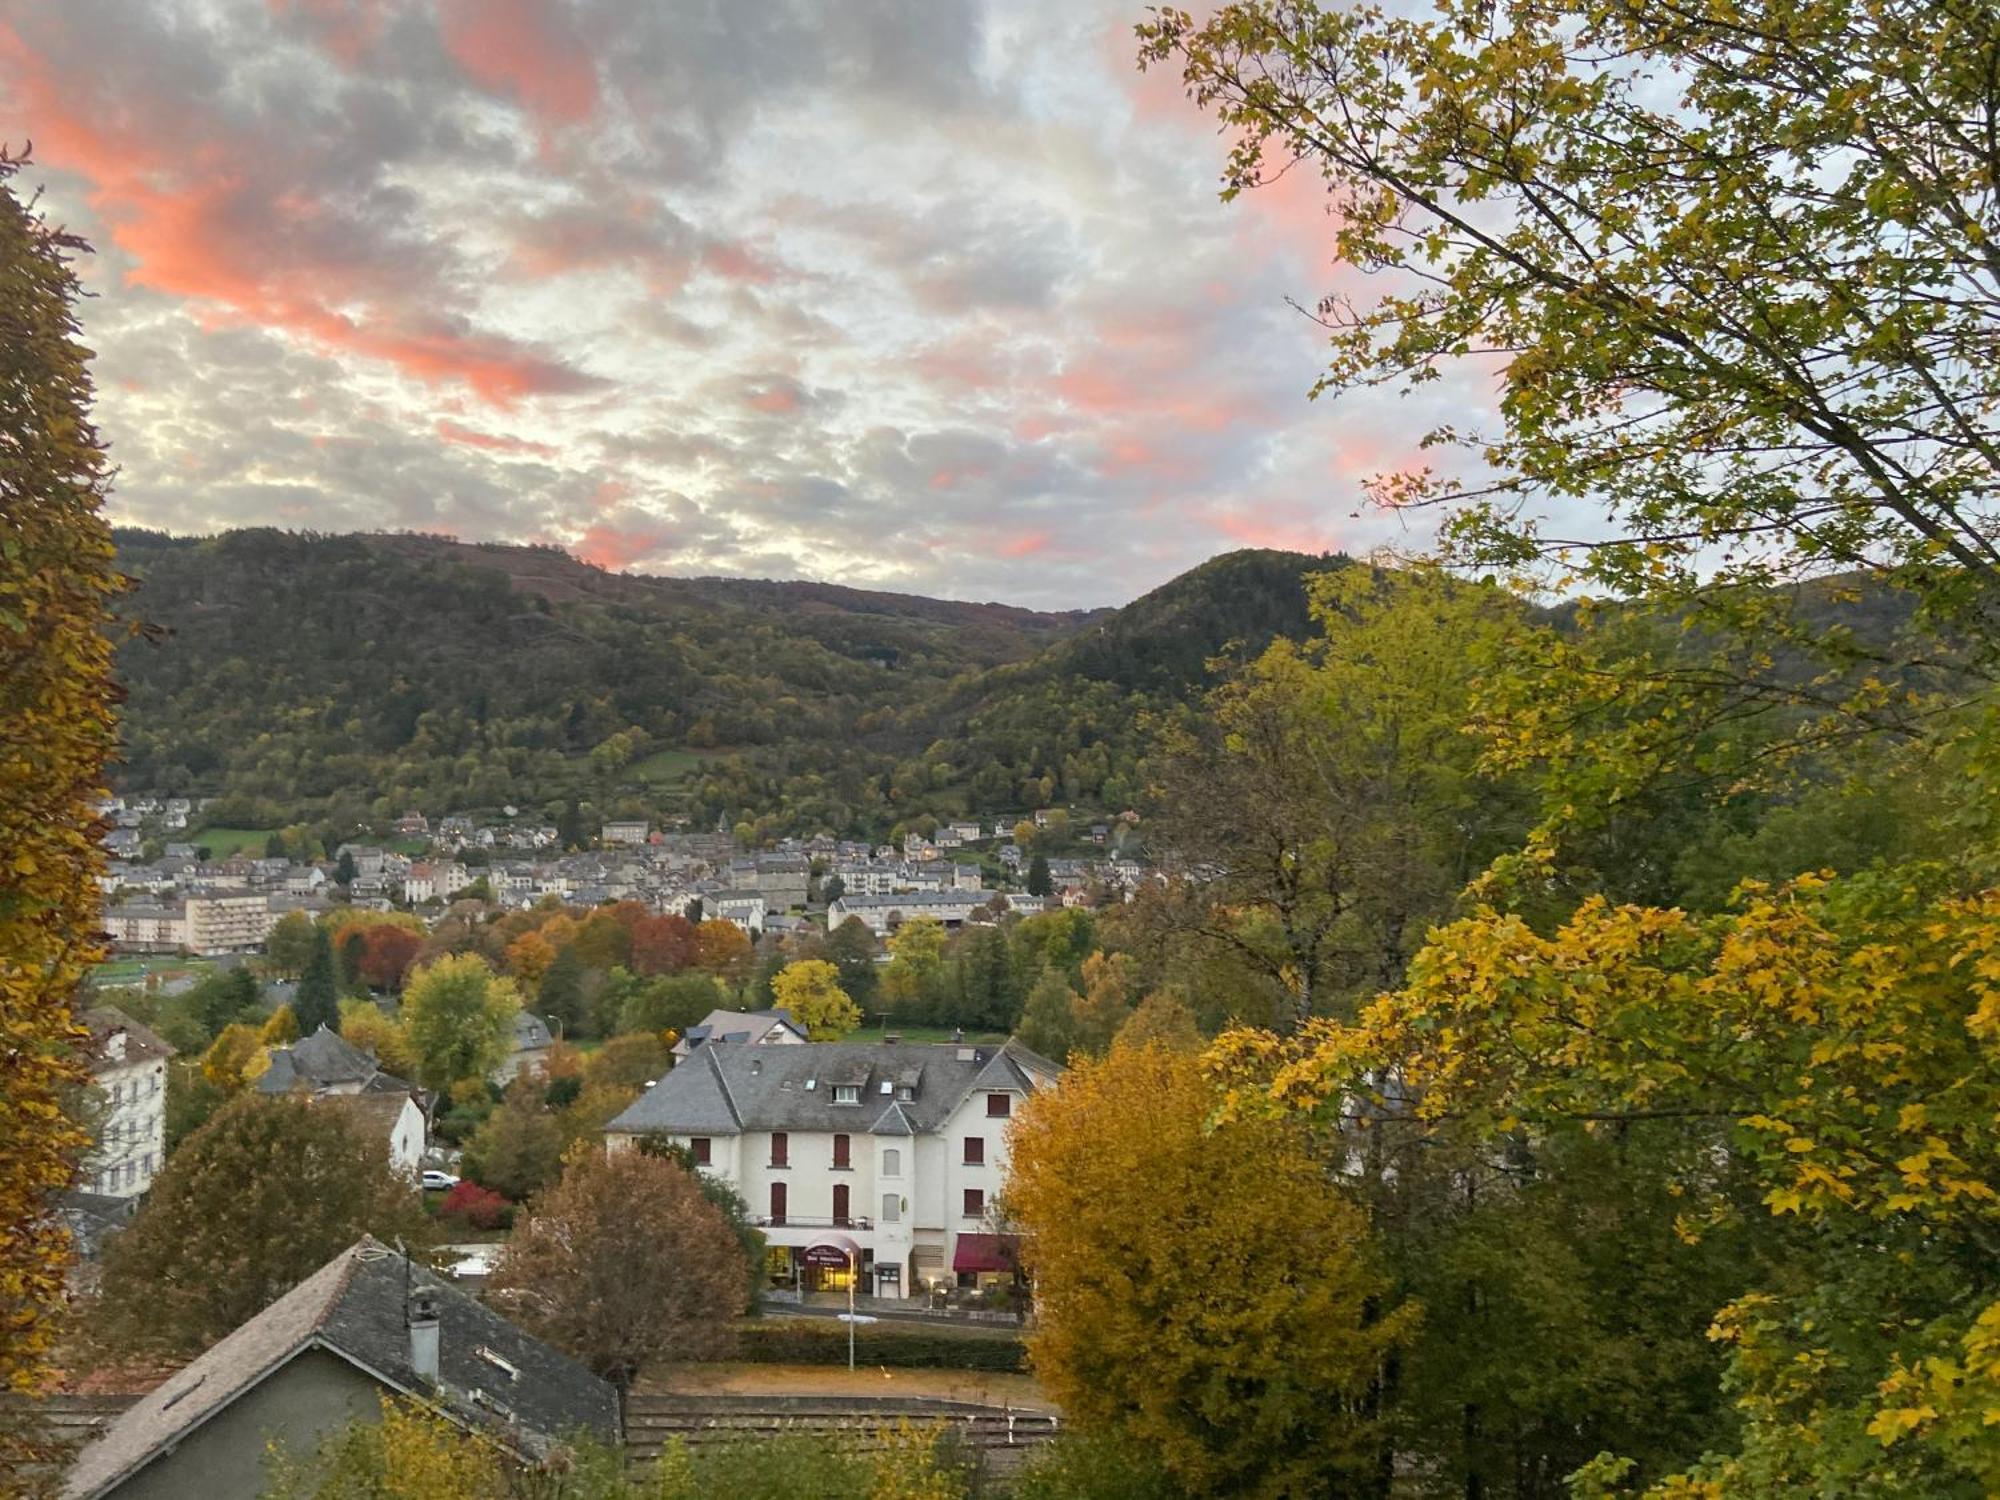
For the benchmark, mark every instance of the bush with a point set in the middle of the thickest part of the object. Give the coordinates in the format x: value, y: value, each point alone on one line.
x: 815, y: 1341
x: 476, y: 1207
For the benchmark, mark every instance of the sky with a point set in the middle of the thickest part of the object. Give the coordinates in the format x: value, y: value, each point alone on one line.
x: 928, y: 295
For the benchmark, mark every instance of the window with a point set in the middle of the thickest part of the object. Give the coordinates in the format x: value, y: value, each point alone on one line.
x: 975, y: 1151
x: 999, y: 1106
x: 975, y: 1203
x: 907, y: 1091
x: 777, y: 1203
x: 698, y: 1148
x: 847, y: 1093
x: 840, y: 1213
x: 892, y: 1208
x: 840, y: 1157
x: 781, y: 1149
x: 892, y: 1163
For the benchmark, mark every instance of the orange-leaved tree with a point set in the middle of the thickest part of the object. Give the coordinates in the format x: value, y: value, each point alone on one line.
x: 1207, y: 1296
x: 56, y: 583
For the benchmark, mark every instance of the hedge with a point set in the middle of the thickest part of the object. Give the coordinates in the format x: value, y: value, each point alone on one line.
x: 823, y: 1341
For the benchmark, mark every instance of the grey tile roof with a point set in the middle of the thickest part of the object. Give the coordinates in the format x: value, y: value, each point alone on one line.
x: 354, y: 1307
x: 142, y: 1043
x: 730, y: 1090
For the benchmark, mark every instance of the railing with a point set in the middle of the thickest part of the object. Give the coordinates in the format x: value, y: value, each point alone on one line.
x: 806, y: 1221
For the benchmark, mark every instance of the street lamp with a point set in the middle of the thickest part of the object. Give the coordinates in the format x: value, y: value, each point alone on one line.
x: 832, y: 1249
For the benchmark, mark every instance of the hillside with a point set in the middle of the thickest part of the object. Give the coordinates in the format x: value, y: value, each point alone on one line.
x: 336, y: 678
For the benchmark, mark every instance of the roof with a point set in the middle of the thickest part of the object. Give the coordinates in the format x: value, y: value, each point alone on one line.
x: 353, y: 1306
x: 373, y: 1114
x: 142, y: 1044
x: 327, y: 1057
x: 741, y: 1026
x: 730, y: 1090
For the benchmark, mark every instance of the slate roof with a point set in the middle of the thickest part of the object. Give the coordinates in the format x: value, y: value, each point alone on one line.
x: 326, y: 1060
x: 142, y: 1043
x: 740, y: 1026
x: 731, y: 1090
x: 354, y: 1307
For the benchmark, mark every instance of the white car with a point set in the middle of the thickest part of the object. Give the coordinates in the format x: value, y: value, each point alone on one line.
x: 439, y: 1182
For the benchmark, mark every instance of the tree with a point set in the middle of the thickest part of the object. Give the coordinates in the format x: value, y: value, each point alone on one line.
x: 317, y: 1000
x: 1106, y: 1004
x: 560, y: 997
x: 290, y: 945
x: 255, y: 1201
x: 832, y: 889
x: 529, y: 957
x: 281, y: 1029
x: 1163, y: 1020
x: 663, y: 945
x: 850, y: 947
x: 343, y: 868
x: 624, y: 1264
x: 810, y: 990
x: 1048, y: 1020
x: 726, y: 1199
x: 364, y: 1023
x: 518, y: 1150
x: 386, y: 954
x: 408, y: 1452
x: 57, y: 579
x: 1832, y: 1040
x: 669, y: 1003
x: 722, y: 948
x: 916, y: 950
x: 236, y: 1059
x: 1240, y: 1348
x: 227, y: 997
x: 634, y: 1061
x: 1747, y: 342
x: 1039, y: 883
x: 458, y: 1020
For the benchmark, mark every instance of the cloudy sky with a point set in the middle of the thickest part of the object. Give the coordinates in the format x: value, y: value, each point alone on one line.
x: 932, y: 295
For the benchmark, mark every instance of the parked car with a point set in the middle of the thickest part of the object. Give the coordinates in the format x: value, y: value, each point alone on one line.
x: 439, y: 1182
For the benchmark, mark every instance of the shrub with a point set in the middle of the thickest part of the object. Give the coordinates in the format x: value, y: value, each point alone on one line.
x: 476, y: 1207
x: 813, y: 1341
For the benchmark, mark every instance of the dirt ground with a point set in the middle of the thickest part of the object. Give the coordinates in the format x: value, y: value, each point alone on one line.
x: 992, y: 1388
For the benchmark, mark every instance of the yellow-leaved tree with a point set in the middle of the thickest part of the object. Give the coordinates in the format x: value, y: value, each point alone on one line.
x: 1207, y: 1297
x: 810, y: 990
x: 56, y: 727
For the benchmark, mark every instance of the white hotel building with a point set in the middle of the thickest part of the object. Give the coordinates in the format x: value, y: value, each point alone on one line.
x: 899, y: 1147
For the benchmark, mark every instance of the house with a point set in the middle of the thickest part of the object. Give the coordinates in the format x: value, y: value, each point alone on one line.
x: 624, y: 831
x: 967, y: 877
x: 393, y: 1121
x: 413, y: 823
x: 123, y: 842
x: 147, y: 926
x: 532, y: 1041
x: 899, y: 1147
x: 783, y: 879
x: 368, y: 1324
x: 228, y: 923
x: 880, y: 913
x: 967, y: 833
x: 327, y: 1063
x: 128, y: 1066
x: 435, y: 880
x: 754, y: 1028
x: 745, y: 908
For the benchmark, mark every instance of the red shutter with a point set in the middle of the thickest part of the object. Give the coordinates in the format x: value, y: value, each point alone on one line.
x: 780, y: 1149
x: 777, y: 1203
x: 840, y: 1204
x: 975, y: 1203
x: 700, y: 1147
x: 999, y: 1106
x: 840, y: 1151
x: 975, y: 1151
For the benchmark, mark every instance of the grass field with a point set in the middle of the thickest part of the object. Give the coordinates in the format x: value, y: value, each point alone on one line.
x: 223, y: 842
x: 134, y: 969
x: 666, y: 765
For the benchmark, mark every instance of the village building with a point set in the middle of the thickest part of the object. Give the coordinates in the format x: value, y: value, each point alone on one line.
x: 900, y: 1147
x: 368, y: 1324
x: 128, y: 1066
x: 754, y: 1028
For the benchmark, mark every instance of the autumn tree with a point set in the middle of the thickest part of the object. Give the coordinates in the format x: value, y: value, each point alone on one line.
x: 316, y: 1002
x: 56, y: 582
x: 1161, y: 1019
x: 280, y: 1028
x: 387, y: 953
x: 406, y: 1452
x: 235, y: 1059
x: 289, y: 945
x: 916, y: 957
x: 723, y: 949
x: 1242, y: 1347
x: 255, y: 1201
x: 810, y: 990
x: 634, y: 1061
x: 367, y: 1026
x: 458, y: 1020
x: 625, y: 1265
x: 663, y: 945
x: 1048, y: 1020
x: 518, y: 1150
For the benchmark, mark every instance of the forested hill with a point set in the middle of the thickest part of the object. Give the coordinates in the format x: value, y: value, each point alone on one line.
x: 325, y: 678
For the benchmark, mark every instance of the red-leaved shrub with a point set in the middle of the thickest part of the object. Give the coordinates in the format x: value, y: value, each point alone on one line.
x: 475, y: 1206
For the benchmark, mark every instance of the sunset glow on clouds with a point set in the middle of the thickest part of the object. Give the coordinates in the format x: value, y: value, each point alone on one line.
x: 918, y: 294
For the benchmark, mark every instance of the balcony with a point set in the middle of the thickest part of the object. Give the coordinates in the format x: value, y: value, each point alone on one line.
x: 807, y: 1221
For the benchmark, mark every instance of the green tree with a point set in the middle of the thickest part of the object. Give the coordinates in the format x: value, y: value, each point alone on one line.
x: 343, y: 869
x: 851, y: 949
x: 317, y: 1001
x: 1048, y: 1020
x: 289, y: 948
x: 518, y: 1150
x: 458, y: 1020
x: 56, y: 584
x: 671, y: 1002
x: 233, y: 995
x: 916, y: 958
x: 1241, y: 1348
x: 560, y: 996
x: 252, y: 1203
x: 810, y: 990
x: 624, y: 1264
x: 1039, y: 883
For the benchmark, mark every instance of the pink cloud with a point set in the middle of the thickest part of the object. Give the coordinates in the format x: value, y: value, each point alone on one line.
x: 773, y: 400
x: 613, y: 548
x: 452, y: 432
x: 524, y: 50
x: 1027, y: 544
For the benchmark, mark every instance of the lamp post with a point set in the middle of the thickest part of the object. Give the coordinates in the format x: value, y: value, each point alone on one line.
x: 848, y: 1249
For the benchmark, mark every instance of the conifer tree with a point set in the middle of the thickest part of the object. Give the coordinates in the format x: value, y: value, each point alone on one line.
x: 318, y: 1000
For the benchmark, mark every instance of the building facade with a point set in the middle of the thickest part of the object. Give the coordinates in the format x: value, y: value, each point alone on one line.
x: 900, y: 1148
x: 128, y: 1064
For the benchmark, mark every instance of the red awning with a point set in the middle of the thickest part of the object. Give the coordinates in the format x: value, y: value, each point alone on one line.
x: 986, y: 1252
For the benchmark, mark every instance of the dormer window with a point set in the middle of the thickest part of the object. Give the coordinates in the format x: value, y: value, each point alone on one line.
x: 847, y: 1093
x: 906, y: 1093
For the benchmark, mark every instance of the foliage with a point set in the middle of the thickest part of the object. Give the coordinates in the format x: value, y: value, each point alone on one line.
x: 559, y: 998
x: 625, y: 1264
x: 237, y: 1059
x: 255, y: 1201
x: 810, y: 990
x: 1048, y: 1020
x: 1039, y: 883
x: 665, y: 1003
x: 663, y: 944
x: 289, y: 945
x: 818, y: 1341
x: 1160, y: 1019
x: 634, y: 1061
x: 474, y: 1206
x: 458, y: 1020
x: 369, y: 1027
x: 280, y: 1029
x: 1092, y: 1466
x: 1262, y: 1384
x: 518, y: 1150
x: 718, y: 1192
x: 408, y: 1453
x: 722, y: 948
x: 56, y: 584
x: 316, y: 1002
x: 850, y: 947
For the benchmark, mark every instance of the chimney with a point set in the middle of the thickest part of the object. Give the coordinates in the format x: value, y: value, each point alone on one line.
x: 422, y: 1316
